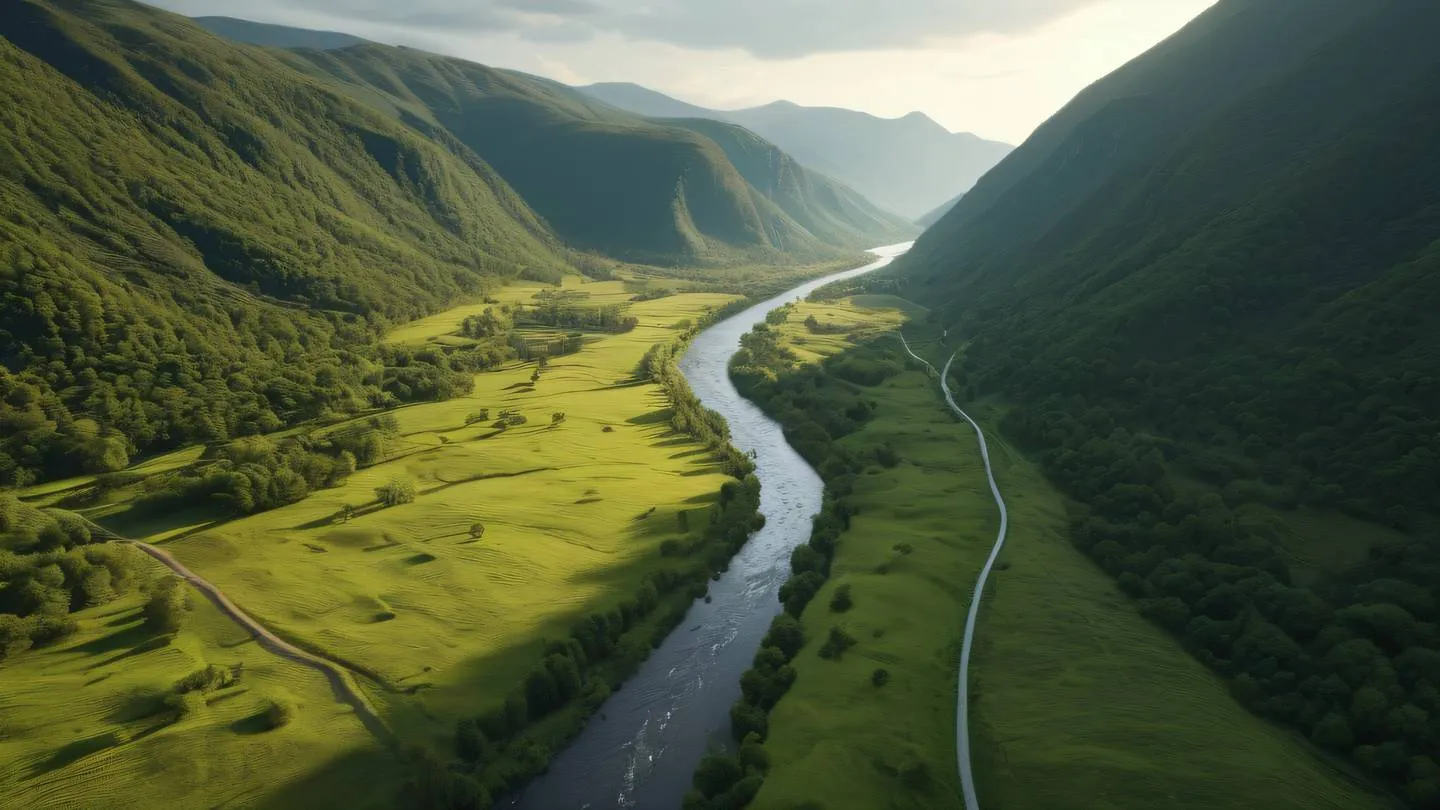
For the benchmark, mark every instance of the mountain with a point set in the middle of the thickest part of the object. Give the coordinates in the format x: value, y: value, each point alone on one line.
x: 277, y: 36
x: 835, y: 213
x: 907, y: 165
x: 939, y: 213
x: 606, y: 179
x: 200, y: 242
x: 1207, y: 292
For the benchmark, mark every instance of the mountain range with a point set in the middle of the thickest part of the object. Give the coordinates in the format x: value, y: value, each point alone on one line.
x: 908, y: 165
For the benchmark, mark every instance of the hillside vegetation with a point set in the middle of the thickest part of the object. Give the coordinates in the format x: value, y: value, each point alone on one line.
x: 1209, y: 288
x: 204, y: 240
x: 200, y: 243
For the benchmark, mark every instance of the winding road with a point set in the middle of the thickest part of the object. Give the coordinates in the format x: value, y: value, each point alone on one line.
x: 962, y: 709
x: 340, y: 683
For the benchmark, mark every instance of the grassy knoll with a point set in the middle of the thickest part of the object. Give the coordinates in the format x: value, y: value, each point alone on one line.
x: 1080, y: 702
x: 81, y: 725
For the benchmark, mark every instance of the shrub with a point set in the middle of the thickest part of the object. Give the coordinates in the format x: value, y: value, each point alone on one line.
x: 840, y: 601
x: 879, y: 677
x: 837, y: 643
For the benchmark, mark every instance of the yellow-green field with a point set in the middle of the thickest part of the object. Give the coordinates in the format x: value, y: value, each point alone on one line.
x: 1079, y: 702
x: 574, y: 516
x: 76, y: 728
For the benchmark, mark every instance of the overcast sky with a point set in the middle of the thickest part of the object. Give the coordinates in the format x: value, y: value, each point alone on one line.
x: 997, y: 68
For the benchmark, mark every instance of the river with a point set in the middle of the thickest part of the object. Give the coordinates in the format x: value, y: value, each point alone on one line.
x: 642, y: 746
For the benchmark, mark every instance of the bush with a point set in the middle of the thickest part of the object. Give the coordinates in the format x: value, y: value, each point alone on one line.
x: 165, y: 609
x: 840, y: 601
x: 836, y: 644
x: 279, y: 713
x: 879, y: 677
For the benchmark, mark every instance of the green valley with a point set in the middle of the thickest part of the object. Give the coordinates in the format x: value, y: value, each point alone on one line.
x: 1068, y: 679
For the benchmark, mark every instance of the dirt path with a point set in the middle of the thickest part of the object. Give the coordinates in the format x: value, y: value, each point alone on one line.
x: 339, y: 678
x: 962, y: 709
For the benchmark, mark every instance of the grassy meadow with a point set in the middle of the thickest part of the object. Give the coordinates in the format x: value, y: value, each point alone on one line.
x: 441, y: 623
x: 1079, y: 701
x: 81, y: 726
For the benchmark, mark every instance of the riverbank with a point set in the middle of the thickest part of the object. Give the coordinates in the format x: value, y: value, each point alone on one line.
x: 1068, y: 680
x: 653, y: 731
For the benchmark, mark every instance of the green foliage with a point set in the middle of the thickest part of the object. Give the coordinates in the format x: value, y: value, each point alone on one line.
x: 840, y: 600
x: 1239, y: 300
x: 396, y: 492
x: 836, y: 643
x: 190, y: 259
x: 47, y: 570
x: 167, y: 605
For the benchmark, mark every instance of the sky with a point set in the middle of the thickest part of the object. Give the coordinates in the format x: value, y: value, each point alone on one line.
x: 997, y: 68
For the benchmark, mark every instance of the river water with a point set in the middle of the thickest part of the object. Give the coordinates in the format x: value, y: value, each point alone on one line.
x: 660, y: 723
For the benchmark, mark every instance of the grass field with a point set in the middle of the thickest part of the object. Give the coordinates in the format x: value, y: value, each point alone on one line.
x: 574, y: 517
x: 1079, y: 702
x: 77, y: 728
x: 407, y: 593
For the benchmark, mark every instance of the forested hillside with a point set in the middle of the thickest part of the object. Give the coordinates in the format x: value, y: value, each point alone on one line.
x: 835, y: 213
x: 200, y: 243
x: 202, y: 240
x: 604, y: 179
x: 1209, y: 288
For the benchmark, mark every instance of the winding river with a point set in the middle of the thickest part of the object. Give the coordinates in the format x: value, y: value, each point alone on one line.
x: 641, y: 747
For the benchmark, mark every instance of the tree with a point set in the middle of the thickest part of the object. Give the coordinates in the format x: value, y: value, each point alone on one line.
x: 879, y: 677
x: 840, y: 600
x: 398, y: 491
x: 165, y: 610
x: 556, y: 418
x: 785, y: 634
x: 477, y: 530
x: 836, y: 643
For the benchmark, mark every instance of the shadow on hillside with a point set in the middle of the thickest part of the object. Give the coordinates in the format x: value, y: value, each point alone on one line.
x: 361, y: 779
x: 655, y: 417
x: 71, y: 752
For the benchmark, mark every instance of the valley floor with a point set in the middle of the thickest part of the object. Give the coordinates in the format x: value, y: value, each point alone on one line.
x: 441, y: 624
x: 1078, y: 701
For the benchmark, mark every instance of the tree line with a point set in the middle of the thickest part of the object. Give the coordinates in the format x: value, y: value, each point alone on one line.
x: 817, y: 405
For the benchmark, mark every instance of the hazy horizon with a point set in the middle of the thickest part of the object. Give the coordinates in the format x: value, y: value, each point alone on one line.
x: 995, y: 69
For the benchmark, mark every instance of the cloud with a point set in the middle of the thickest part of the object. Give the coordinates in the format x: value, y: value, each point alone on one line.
x: 768, y: 29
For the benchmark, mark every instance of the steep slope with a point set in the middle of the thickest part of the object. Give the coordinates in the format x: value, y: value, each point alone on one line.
x: 197, y: 241
x: 604, y: 179
x: 834, y: 213
x: 277, y: 36
x: 1209, y: 289
x: 939, y: 213
x: 907, y: 165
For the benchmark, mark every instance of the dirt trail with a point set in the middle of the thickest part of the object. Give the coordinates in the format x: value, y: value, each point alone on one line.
x: 339, y: 678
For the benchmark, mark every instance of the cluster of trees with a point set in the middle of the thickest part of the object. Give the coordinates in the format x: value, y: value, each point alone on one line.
x: 50, y: 568
x: 1353, y: 660
x: 566, y: 309
x: 817, y: 405
x: 256, y: 474
x: 661, y: 364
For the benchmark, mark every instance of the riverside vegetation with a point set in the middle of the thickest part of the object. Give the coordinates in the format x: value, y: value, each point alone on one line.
x: 851, y: 699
